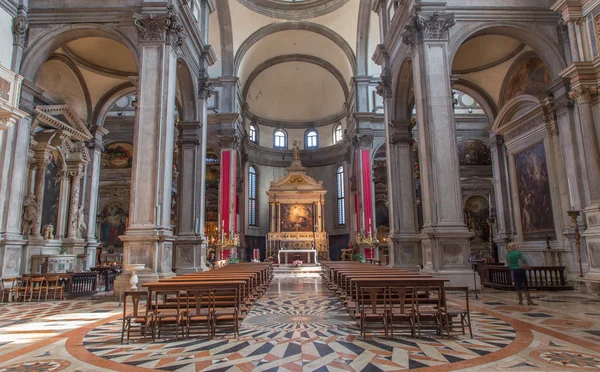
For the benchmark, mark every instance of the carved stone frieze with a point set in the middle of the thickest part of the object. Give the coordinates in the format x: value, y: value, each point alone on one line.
x: 162, y: 27
x: 427, y: 27
x: 19, y: 30
x: 563, y: 31
x: 525, y: 127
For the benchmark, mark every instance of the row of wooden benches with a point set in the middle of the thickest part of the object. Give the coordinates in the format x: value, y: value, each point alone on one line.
x: 198, y: 303
x: 390, y: 299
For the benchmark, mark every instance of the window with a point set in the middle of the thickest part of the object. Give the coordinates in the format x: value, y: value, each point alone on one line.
x: 252, y: 196
x: 253, y: 135
x: 337, y: 134
x: 279, y: 139
x: 341, y: 200
x: 312, y: 140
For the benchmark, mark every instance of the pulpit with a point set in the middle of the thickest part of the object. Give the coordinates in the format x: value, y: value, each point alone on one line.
x: 296, y: 208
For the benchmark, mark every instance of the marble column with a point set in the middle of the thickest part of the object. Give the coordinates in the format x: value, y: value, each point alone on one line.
x: 148, y: 239
x: 227, y: 186
x: 90, y: 205
x: 504, y: 214
x: 591, y: 150
x: 74, y: 176
x: 573, y: 43
x: 404, y: 236
x: 41, y: 163
x: 11, y: 240
x: 19, y: 31
x: 445, y: 238
x: 62, y: 218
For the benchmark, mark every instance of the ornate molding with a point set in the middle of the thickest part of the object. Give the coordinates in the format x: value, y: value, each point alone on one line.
x: 584, y: 94
x: 19, y: 30
x: 364, y: 142
x: 526, y: 126
x: 550, y: 118
x: 422, y: 27
x: 384, y: 87
x: 163, y: 27
x: 205, y: 88
x: 229, y: 142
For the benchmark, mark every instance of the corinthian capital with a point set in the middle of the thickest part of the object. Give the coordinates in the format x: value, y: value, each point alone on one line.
x: 584, y: 94
x: 19, y: 30
x: 162, y: 27
x: 205, y: 88
x: 427, y: 27
x: 229, y: 142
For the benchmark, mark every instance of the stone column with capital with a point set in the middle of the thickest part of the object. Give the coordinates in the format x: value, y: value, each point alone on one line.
x: 229, y: 145
x: 445, y: 238
x: 504, y: 215
x: 90, y: 203
x: 74, y: 177
x: 148, y: 239
x: 591, y: 184
x: 20, y: 25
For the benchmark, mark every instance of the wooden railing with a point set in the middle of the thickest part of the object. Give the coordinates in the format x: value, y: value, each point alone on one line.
x: 538, y: 277
x: 82, y: 283
x: 107, y: 277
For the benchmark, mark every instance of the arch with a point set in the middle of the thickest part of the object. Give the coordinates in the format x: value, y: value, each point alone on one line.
x: 253, y: 133
x: 402, y: 89
x: 362, y: 40
x: 226, y: 32
x: 311, y: 139
x: 42, y: 47
x: 73, y: 67
x: 487, y: 103
x: 338, y: 133
x: 516, y: 108
x: 509, y: 74
x: 295, y: 58
x: 539, y: 40
x: 287, y: 26
x: 276, y: 140
x: 186, y: 82
x: 106, y: 102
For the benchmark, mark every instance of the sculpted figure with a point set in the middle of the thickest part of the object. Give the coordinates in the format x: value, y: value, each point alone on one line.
x: 48, y: 232
x: 296, y: 150
x: 30, y: 212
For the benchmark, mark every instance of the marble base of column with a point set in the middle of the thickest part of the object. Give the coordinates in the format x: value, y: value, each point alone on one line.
x: 91, y: 250
x: 11, y: 255
x: 592, y: 237
x: 446, y: 253
x: 77, y: 247
x: 190, y: 255
x: 153, y: 251
x: 405, y: 252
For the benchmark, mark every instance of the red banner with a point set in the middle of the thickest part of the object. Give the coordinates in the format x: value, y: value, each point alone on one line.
x: 225, y: 190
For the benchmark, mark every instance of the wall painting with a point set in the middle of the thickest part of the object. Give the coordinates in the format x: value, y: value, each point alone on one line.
x: 113, y: 222
x: 473, y: 152
x: 530, y: 77
x: 477, y: 212
x: 535, y: 203
x: 296, y: 217
x: 51, y: 190
x: 117, y: 155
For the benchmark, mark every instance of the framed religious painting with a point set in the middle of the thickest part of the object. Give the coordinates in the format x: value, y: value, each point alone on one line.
x: 296, y: 217
x: 533, y: 186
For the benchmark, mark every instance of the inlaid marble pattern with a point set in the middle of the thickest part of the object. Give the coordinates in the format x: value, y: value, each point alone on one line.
x: 299, y: 326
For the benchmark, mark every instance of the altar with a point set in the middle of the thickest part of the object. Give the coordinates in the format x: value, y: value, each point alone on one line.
x: 296, y: 214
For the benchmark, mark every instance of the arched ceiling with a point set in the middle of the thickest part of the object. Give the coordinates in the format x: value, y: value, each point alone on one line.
x: 295, y: 91
x: 102, y: 55
x: 294, y: 42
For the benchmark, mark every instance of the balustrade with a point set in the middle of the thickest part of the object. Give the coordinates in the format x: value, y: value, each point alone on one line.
x: 538, y: 277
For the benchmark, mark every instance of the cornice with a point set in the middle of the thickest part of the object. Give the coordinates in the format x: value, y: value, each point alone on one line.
x: 282, y: 158
x: 81, y: 15
x: 295, y: 124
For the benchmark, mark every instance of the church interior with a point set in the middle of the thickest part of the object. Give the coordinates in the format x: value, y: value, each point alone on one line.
x: 299, y: 185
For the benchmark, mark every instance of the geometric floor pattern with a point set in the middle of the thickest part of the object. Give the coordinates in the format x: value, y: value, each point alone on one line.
x: 299, y: 326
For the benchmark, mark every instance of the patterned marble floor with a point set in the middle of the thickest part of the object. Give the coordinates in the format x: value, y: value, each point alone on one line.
x: 298, y: 326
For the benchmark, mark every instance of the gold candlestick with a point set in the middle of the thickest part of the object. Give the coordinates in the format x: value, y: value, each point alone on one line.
x: 574, y: 215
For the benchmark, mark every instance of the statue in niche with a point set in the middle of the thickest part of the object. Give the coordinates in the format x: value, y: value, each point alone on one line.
x: 80, y: 223
x: 48, y: 231
x: 296, y: 150
x: 30, y: 215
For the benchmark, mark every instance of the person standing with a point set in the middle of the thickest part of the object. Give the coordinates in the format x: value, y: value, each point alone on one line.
x: 517, y: 265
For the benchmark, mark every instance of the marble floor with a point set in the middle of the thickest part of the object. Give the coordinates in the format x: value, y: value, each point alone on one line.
x: 299, y: 326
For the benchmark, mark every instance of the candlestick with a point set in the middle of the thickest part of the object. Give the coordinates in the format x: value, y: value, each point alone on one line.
x: 574, y: 214
x: 570, y: 194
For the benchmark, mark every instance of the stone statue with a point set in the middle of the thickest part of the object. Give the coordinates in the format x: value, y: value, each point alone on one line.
x: 48, y: 232
x: 30, y: 215
x: 80, y: 223
x: 296, y: 150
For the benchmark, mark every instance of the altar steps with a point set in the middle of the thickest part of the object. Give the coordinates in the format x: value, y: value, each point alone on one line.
x: 290, y: 269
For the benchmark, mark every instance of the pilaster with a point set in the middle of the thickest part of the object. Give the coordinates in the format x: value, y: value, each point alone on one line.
x: 445, y: 238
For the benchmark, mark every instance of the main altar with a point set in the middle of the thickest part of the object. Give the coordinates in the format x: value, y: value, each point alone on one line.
x: 296, y: 210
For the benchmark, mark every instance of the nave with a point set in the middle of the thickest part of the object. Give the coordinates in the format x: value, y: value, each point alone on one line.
x: 299, y: 325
